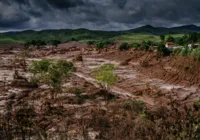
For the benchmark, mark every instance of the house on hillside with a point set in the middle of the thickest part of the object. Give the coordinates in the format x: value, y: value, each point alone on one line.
x: 193, y: 45
x: 169, y: 45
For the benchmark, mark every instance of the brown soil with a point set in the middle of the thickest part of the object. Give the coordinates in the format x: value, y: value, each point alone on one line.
x: 164, y: 85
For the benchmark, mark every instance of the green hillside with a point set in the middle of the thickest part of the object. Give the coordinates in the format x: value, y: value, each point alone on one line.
x: 83, y: 35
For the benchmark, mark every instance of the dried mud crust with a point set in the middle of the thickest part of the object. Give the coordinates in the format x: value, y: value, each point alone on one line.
x: 161, y: 83
x: 139, y: 72
x: 172, y: 69
x: 163, y: 80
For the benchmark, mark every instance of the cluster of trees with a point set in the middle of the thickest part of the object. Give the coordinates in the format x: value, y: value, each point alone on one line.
x: 167, y: 39
x: 189, y: 38
x: 162, y: 50
x: 101, y: 44
x: 40, y: 43
x: 51, y: 72
x: 186, y: 39
x: 145, y: 45
x: 189, y: 52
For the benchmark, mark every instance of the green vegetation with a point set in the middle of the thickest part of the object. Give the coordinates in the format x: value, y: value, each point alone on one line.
x: 124, y: 47
x: 51, y: 72
x: 81, y: 35
x: 99, y: 38
x: 105, y: 74
x: 195, y: 53
x: 101, y: 44
x: 188, y: 52
x: 185, y: 51
x: 162, y: 38
x: 170, y: 39
x: 136, y: 45
x: 136, y: 38
x: 162, y: 50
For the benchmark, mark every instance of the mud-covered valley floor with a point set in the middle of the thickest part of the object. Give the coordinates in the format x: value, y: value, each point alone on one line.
x: 150, y: 95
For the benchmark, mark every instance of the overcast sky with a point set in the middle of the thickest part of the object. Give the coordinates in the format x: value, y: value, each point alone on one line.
x: 96, y: 14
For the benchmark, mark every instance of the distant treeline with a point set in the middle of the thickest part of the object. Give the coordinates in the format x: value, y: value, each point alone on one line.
x: 39, y: 43
x: 186, y: 39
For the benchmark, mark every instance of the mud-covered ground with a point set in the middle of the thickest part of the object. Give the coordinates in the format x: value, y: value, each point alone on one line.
x: 149, y: 89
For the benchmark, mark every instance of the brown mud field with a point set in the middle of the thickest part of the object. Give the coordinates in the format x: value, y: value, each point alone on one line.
x: 152, y: 96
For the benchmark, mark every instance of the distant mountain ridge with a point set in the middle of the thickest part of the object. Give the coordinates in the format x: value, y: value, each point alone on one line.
x: 164, y: 30
x: 148, y: 29
x: 85, y: 35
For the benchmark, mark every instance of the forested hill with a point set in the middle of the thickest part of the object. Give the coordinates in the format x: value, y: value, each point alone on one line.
x: 65, y: 35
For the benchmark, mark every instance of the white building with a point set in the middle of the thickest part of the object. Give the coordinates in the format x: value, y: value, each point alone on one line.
x: 169, y: 45
x: 193, y: 45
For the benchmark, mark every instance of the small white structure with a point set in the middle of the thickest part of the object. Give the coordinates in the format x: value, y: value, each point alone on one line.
x: 193, y: 45
x: 169, y: 45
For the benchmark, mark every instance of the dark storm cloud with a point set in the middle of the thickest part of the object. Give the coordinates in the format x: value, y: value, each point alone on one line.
x: 96, y: 14
x: 65, y: 4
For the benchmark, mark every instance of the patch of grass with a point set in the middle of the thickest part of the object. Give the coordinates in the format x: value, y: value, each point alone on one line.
x: 137, y: 38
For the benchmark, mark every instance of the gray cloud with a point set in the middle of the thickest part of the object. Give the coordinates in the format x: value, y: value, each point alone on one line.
x: 96, y: 14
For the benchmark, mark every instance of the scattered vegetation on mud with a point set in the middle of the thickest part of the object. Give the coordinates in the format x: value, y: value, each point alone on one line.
x: 132, y: 104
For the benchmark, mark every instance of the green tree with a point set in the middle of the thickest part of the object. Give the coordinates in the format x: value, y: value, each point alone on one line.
x: 136, y: 45
x: 185, y: 51
x: 193, y: 37
x: 170, y: 39
x: 195, y: 53
x: 55, y: 43
x: 124, y: 47
x: 105, y: 74
x: 162, y: 37
x: 180, y: 41
x: 51, y: 72
x: 162, y: 50
x: 150, y: 43
x: 144, y: 46
x: 91, y: 42
x: 101, y: 45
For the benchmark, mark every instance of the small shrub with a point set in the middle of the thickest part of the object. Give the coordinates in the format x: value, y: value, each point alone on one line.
x: 51, y: 72
x: 162, y: 50
x: 185, y: 51
x: 105, y: 74
x: 40, y: 66
x: 144, y: 46
x: 124, y: 47
x: 91, y: 42
x: 101, y: 45
x: 136, y: 45
x: 176, y: 51
x: 195, y: 53
x: 109, y: 42
x: 55, y: 43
